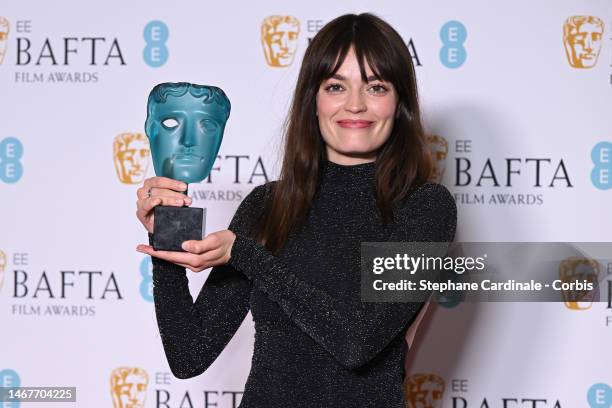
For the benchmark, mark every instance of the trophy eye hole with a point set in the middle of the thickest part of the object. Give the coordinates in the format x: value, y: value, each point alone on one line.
x: 209, y: 125
x: 170, y: 123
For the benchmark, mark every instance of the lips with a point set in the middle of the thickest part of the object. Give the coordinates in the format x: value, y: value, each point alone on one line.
x: 354, y: 124
x: 186, y: 157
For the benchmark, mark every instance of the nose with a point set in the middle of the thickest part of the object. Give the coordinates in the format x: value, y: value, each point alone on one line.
x: 132, y: 395
x: 188, y: 136
x: 284, y: 41
x: 355, y: 102
x: 588, y: 42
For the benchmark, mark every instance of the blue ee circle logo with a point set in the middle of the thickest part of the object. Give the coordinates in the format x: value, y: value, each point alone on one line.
x: 11, y: 151
x: 601, y: 156
x: 156, y: 34
x: 600, y: 396
x: 146, y: 285
x: 452, y: 54
x: 10, y: 379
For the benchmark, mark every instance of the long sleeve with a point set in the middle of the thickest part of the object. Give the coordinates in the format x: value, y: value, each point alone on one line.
x: 353, y: 333
x: 194, y: 334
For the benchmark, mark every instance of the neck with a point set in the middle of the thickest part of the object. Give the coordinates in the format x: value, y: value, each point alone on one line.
x: 349, y: 175
x: 350, y: 160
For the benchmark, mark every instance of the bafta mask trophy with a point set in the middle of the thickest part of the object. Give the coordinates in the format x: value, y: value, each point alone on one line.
x: 185, y: 124
x: 129, y: 387
x: 582, y: 38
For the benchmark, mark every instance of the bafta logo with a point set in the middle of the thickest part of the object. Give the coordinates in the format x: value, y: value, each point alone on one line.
x: 576, y: 269
x: 129, y: 387
x: 582, y: 36
x: 2, y: 267
x: 438, y: 147
x: 4, y: 32
x: 279, y: 36
x: 424, y: 391
x: 131, y: 155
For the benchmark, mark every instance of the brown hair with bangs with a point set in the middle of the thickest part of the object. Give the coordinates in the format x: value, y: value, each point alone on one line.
x: 402, y: 162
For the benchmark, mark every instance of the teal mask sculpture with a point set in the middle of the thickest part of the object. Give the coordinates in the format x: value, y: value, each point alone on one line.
x: 185, y: 124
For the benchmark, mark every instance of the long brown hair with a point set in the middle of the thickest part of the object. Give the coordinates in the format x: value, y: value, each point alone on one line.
x: 402, y: 163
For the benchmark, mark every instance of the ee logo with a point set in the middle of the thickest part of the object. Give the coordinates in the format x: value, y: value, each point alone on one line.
x: 453, y: 35
x: 146, y: 285
x: 11, y: 151
x: 156, y: 34
x: 601, y: 175
x: 10, y: 379
x: 600, y: 396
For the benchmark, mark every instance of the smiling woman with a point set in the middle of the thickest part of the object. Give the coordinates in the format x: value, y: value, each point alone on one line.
x: 347, y: 104
x: 355, y: 169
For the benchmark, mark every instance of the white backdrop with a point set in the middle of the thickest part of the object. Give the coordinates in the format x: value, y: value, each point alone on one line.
x: 75, y: 300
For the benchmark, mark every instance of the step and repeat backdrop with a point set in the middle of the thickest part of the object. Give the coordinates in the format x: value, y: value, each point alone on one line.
x: 517, y: 99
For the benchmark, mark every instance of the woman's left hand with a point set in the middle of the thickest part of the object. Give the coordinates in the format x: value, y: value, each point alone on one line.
x: 213, y: 250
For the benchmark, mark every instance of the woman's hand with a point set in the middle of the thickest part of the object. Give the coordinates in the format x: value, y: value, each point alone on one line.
x: 213, y: 250
x: 159, y: 191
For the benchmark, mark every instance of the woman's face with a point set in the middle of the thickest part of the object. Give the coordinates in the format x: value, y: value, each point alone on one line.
x: 355, y: 118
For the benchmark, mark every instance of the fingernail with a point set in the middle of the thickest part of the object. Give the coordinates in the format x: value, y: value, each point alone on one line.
x: 185, y: 246
x: 180, y: 202
x: 183, y: 186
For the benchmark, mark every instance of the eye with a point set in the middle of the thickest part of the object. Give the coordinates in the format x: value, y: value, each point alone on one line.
x: 209, y: 125
x: 333, y: 88
x: 378, y: 89
x: 170, y: 123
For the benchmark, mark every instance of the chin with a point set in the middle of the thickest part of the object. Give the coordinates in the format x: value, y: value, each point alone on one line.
x: 192, y: 173
x: 355, y: 149
x: 358, y: 154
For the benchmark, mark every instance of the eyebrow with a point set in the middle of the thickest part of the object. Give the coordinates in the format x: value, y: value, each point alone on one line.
x: 341, y: 78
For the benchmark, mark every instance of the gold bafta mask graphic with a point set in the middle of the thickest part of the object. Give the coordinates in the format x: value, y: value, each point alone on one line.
x: 2, y: 267
x: 131, y: 155
x: 438, y: 146
x: 4, y: 32
x: 424, y: 391
x: 582, y: 36
x: 279, y: 36
x: 129, y: 387
x: 577, y: 269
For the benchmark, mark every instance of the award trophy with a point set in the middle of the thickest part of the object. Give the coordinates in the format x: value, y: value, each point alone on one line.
x: 185, y: 124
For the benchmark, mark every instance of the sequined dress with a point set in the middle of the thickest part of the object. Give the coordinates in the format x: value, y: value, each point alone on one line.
x: 316, y: 344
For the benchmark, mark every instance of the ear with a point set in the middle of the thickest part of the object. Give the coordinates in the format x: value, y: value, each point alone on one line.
x: 149, y: 128
x: 397, y: 110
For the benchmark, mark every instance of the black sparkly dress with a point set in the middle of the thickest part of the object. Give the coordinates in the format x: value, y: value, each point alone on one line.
x: 316, y: 344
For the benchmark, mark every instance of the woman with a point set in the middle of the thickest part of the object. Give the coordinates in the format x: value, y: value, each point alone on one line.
x: 355, y: 169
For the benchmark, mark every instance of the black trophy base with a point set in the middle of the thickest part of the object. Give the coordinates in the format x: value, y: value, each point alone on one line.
x: 174, y: 225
